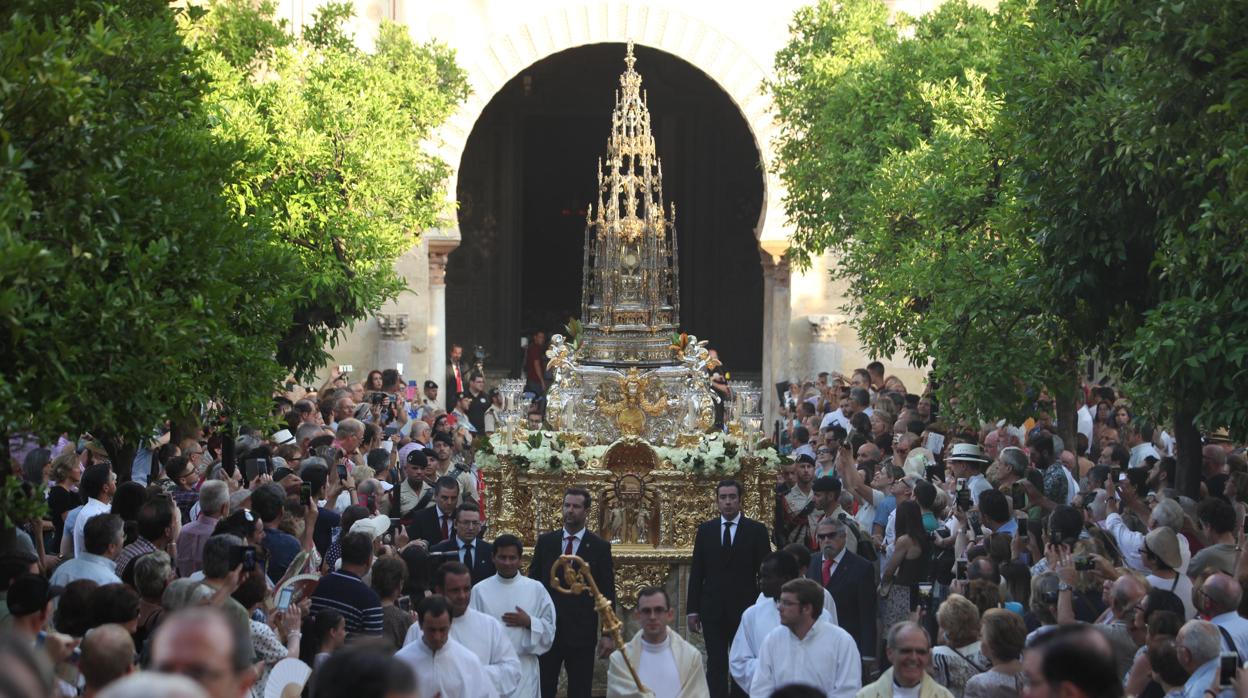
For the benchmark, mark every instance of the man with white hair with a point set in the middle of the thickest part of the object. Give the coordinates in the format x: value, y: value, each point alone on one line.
x: 1198, y: 647
x: 1219, y: 600
x: 1166, y: 513
x: 214, y: 505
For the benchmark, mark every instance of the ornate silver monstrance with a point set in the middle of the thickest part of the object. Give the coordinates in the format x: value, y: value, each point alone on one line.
x: 628, y: 373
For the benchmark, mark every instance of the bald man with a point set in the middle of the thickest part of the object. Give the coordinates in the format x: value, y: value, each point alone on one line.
x: 1219, y: 597
x: 199, y: 642
x: 107, y: 655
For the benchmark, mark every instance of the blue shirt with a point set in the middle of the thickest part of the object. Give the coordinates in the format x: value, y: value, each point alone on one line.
x: 97, y: 568
x: 323, y: 532
x: 141, y: 468
x: 1201, y: 680
x: 282, y: 548
x: 884, y: 510
x: 1010, y: 527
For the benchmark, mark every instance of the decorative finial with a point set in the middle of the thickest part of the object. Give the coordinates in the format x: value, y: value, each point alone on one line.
x: 629, y: 60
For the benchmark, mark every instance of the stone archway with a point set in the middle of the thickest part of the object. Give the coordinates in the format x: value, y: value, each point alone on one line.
x: 663, y: 28
x: 668, y: 29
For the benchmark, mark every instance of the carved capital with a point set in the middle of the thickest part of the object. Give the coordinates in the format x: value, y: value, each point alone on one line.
x: 392, y: 325
x: 437, y: 268
x: 824, y: 328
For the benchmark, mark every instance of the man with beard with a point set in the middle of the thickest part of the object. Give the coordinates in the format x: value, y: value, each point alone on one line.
x: 807, y: 649
x: 448, y: 465
x: 576, y: 619
x: 481, y: 634
x: 524, y: 607
x: 796, y: 510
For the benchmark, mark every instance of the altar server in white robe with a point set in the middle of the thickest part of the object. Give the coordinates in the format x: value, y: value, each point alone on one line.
x: 442, y: 666
x: 524, y: 607
x: 764, y: 616
x: 481, y: 634
x: 668, y: 666
x: 807, y: 649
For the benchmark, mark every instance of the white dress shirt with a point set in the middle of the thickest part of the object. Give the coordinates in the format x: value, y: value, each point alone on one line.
x: 732, y: 532
x: 576, y: 541
x: 827, y: 658
x: 484, y: 637
x: 757, y: 621
x: 451, y: 672
x: 93, y: 507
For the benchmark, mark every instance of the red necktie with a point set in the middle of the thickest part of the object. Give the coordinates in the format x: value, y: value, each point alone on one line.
x: 459, y: 382
x: 446, y: 528
x: 567, y: 549
x: 827, y: 570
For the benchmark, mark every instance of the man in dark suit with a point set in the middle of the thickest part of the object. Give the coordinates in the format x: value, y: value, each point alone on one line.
x: 476, y: 554
x: 850, y: 580
x: 723, y: 581
x: 436, y: 523
x: 576, y: 621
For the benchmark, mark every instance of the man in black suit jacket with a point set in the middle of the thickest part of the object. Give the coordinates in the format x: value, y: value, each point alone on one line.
x: 723, y: 581
x: 436, y: 523
x: 850, y: 580
x: 477, y: 554
x: 576, y: 621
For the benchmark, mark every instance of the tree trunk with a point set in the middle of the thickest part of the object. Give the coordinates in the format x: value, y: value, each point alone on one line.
x: 120, y: 453
x: 1064, y: 410
x: 1187, y: 440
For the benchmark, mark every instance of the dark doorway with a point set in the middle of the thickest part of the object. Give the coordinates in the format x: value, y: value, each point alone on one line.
x: 529, y: 170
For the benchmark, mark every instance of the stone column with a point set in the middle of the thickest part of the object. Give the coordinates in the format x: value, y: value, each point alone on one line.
x: 824, y: 352
x: 393, y: 348
x: 439, y: 249
x: 776, y: 316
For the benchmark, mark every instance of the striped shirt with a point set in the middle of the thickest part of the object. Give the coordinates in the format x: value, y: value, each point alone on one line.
x: 356, y: 601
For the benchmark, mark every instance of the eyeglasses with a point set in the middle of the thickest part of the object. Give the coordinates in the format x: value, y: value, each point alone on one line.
x: 920, y: 651
x: 828, y: 536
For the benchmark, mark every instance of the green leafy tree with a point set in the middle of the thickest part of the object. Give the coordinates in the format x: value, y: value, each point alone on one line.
x: 895, y: 161
x: 1131, y: 119
x: 341, y: 175
x: 129, y: 290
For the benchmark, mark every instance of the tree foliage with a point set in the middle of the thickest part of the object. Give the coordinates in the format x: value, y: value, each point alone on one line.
x: 128, y: 289
x: 896, y: 161
x: 1134, y: 129
x: 340, y: 174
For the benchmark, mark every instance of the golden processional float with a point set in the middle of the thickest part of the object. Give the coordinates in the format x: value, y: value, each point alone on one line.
x: 631, y: 406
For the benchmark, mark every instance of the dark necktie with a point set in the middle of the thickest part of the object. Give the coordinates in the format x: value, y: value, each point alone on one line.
x: 727, y: 534
x: 567, y: 550
x: 468, y: 556
x: 446, y: 527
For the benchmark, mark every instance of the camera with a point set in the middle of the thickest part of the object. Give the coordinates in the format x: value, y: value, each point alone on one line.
x: 305, y: 494
x: 1230, y: 663
x: 1084, y: 564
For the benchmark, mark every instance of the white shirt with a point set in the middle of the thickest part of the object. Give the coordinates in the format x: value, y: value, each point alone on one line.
x: 732, y: 532
x: 1130, y: 542
x: 1140, y: 452
x: 451, y: 672
x: 656, y: 667
x: 497, y: 595
x: 866, y: 511
x: 1237, y: 627
x: 1085, y: 426
x: 827, y: 658
x: 576, y: 540
x: 978, y: 484
x: 835, y: 417
x: 93, y: 507
x: 484, y: 637
x: 1182, y: 589
x: 96, y: 568
x: 1072, y: 486
x: 756, y: 623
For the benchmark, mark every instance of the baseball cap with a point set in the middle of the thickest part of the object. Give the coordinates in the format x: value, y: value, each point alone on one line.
x: 375, y: 526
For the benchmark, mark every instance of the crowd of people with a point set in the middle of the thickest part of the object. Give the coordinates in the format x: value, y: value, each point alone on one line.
x: 348, y: 554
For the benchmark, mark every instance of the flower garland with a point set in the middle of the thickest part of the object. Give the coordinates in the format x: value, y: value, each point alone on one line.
x: 546, y: 451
